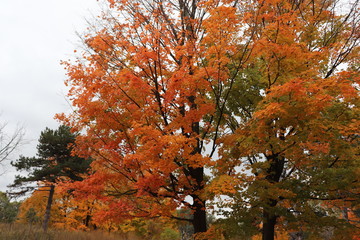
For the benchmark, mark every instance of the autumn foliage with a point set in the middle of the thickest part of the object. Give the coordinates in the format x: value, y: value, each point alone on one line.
x: 264, y: 94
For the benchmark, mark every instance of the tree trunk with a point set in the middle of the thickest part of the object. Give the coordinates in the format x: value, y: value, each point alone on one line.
x: 273, y: 176
x: 198, y: 206
x: 48, y: 208
x: 87, y: 220
x: 269, y: 221
x: 199, y: 221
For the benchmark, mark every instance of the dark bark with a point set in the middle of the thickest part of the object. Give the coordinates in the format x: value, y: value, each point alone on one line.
x: 198, y: 206
x: 269, y: 217
x: 88, y: 217
x: 87, y: 220
x: 48, y: 208
x: 199, y: 221
x: 269, y: 222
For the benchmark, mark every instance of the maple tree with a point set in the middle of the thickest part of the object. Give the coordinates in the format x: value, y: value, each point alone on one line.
x: 295, y: 170
x: 300, y: 139
x: 54, y: 163
x: 71, y: 213
x: 162, y: 85
x: 150, y: 98
x: 67, y: 212
x: 32, y: 208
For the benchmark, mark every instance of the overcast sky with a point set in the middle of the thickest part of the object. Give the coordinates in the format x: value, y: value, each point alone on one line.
x: 34, y: 36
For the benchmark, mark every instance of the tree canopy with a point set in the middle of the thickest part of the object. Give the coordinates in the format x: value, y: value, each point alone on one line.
x: 54, y: 161
x: 263, y: 93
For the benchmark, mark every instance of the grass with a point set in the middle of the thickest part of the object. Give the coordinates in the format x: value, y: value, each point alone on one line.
x: 32, y: 232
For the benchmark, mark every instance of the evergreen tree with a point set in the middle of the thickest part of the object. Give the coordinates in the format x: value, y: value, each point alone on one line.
x: 53, y: 163
x: 8, y: 210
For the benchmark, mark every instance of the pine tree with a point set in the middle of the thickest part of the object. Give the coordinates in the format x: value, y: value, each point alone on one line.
x: 54, y: 163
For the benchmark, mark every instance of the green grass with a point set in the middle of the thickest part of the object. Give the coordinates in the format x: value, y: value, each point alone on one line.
x: 32, y: 232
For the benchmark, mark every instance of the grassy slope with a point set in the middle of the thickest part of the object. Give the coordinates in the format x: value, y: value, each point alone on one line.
x: 28, y: 232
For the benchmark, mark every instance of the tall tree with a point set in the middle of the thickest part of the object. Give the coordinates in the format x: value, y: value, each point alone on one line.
x: 163, y: 83
x: 151, y: 97
x: 54, y: 163
x: 302, y: 147
x: 302, y: 134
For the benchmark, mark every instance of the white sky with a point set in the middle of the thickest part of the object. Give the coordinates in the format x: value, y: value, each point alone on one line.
x: 34, y: 36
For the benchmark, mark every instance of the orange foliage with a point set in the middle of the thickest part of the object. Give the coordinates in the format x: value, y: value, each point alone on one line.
x: 67, y: 212
x: 145, y: 100
x: 303, y: 134
x: 158, y: 86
